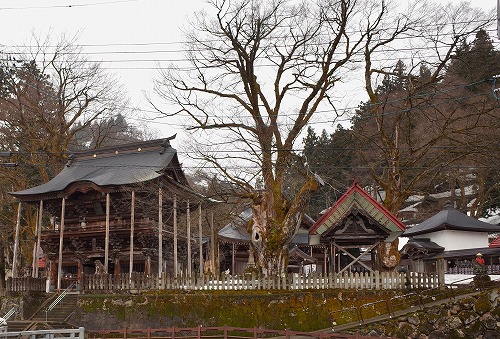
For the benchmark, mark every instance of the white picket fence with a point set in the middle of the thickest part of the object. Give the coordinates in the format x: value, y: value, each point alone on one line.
x: 347, y: 280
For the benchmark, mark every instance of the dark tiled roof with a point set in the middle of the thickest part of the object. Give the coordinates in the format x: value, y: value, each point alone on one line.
x: 296, y: 253
x: 469, y: 253
x: 417, y: 248
x: 236, y: 231
x: 450, y: 219
x: 422, y: 243
x: 119, y: 165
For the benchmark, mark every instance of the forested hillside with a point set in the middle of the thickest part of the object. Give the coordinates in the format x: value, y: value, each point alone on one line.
x: 423, y: 131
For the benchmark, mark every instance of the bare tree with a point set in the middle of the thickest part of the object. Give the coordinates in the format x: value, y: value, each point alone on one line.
x: 411, y: 128
x: 48, y: 93
x: 260, y: 72
x: 51, y: 93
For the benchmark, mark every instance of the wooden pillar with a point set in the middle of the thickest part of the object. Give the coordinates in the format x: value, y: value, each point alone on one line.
x: 52, y: 274
x: 106, y: 241
x: 200, y: 239
x: 160, y: 232
x: 375, y: 258
x: 132, y: 226
x: 215, y: 269
x: 188, y: 239
x: 232, y: 261
x: 175, y: 236
x: 61, y: 237
x: 16, y: 242
x: 339, y: 262
x: 33, y: 260
x: 148, y: 265
x: 332, y: 250
x: 325, y: 262
x: 117, y: 270
x: 38, y: 237
x: 440, y: 271
x: 79, y: 271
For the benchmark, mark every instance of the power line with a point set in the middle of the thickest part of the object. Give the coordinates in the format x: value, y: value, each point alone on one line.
x: 452, y: 88
x: 144, y: 44
x: 168, y: 51
x: 183, y: 60
x: 481, y: 22
x: 256, y: 167
x: 67, y: 6
x: 335, y: 120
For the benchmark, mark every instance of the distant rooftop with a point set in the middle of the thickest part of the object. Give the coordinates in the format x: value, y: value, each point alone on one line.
x: 450, y: 219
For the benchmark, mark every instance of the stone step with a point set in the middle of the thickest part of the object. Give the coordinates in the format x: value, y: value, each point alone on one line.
x: 18, y: 325
x: 60, y: 312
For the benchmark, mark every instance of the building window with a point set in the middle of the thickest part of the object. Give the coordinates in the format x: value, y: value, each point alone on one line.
x: 137, y: 267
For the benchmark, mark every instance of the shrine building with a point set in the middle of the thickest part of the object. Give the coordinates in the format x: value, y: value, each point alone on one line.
x: 116, y: 210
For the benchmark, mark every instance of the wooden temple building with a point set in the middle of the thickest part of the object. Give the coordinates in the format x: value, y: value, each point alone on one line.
x: 116, y: 210
x: 352, y: 228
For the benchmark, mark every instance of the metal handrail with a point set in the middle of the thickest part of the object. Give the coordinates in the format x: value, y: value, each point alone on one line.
x: 72, y: 333
x: 59, y: 298
x: 10, y: 313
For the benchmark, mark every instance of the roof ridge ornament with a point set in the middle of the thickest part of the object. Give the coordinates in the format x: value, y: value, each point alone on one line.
x: 166, y: 143
x: 447, y: 205
x: 70, y: 160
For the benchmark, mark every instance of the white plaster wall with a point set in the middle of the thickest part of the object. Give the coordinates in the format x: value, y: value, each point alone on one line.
x: 458, y: 240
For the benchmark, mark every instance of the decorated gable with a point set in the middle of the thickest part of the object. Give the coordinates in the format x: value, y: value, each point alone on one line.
x: 357, y: 218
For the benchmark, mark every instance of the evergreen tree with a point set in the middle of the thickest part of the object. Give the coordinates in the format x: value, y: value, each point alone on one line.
x: 472, y: 75
x: 330, y: 157
x: 475, y: 62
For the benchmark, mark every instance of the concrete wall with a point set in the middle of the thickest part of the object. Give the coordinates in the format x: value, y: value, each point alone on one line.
x: 458, y: 240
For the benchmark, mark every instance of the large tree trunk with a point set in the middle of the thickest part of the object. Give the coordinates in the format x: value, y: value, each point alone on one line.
x: 274, y: 223
x: 389, y: 255
x: 270, y: 238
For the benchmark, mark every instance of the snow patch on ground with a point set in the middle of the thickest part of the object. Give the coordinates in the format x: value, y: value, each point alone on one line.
x: 464, y: 278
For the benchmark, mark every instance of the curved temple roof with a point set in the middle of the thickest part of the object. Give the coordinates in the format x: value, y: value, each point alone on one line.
x: 119, y: 165
x: 236, y: 231
x: 450, y: 219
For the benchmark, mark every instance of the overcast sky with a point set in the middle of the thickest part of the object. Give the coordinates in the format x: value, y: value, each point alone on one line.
x: 129, y: 36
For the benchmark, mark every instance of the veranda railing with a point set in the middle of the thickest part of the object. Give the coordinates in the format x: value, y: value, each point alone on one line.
x: 24, y: 284
x: 468, y: 268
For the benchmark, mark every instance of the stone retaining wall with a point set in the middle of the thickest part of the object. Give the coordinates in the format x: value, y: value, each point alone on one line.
x: 475, y: 317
